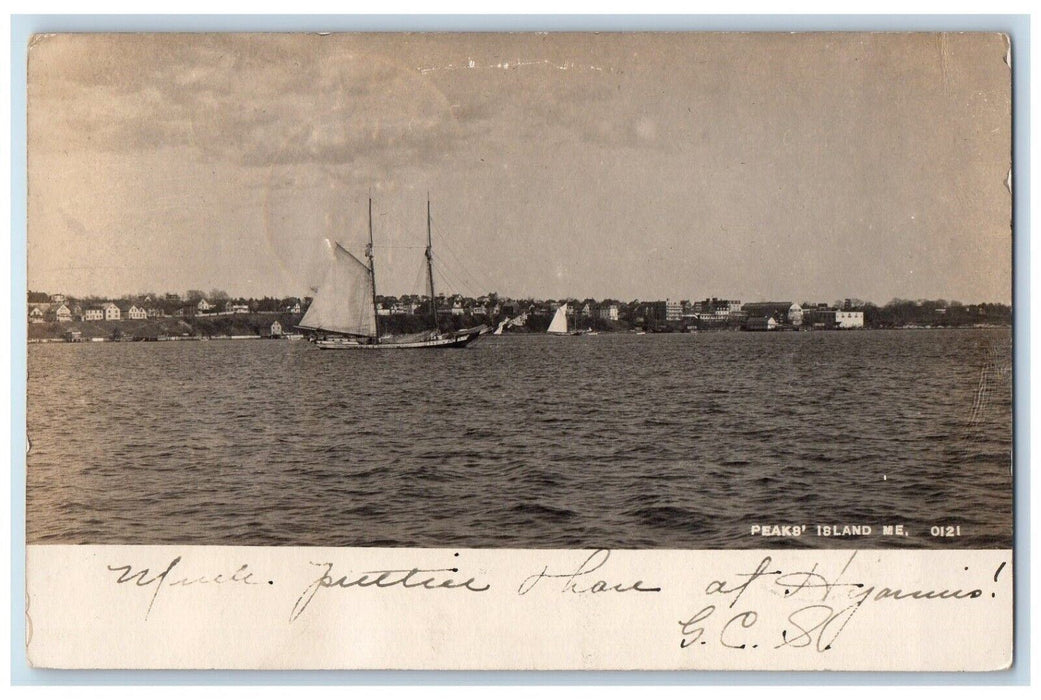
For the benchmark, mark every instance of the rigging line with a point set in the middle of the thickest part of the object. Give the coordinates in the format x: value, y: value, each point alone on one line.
x: 463, y: 272
x: 477, y: 279
x: 451, y: 280
x: 451, y: 275
x: 449, y: 284
x: 443, y: 240
x: 417, y: 283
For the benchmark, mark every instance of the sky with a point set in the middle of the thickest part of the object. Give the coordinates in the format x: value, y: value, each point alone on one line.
x: 804, y: 167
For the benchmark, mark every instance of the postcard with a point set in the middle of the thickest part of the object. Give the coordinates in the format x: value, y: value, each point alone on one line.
x: 520, y: 351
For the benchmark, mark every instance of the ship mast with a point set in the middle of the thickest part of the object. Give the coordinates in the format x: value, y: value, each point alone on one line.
x: 372, y: 276
x: 430, y: 270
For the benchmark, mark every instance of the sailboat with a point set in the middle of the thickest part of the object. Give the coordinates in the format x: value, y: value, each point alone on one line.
x: 343, y: 315
x: 516, y: 321
x: 558, y: 326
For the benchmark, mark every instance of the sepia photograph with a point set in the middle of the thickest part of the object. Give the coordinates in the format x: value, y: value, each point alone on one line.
x: 538, y: 291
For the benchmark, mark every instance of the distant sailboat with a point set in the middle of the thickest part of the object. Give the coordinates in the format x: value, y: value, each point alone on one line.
x: 559, y: 326
x: 343, y: 312
x: 515, y: 322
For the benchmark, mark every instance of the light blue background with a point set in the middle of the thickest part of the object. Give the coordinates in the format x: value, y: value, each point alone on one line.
x: 1017, y: 26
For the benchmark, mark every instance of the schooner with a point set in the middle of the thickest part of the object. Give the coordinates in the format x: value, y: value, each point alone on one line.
x: 343, y: 315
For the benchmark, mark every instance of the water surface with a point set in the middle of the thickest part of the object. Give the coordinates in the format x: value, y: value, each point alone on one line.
x: 622, y: 441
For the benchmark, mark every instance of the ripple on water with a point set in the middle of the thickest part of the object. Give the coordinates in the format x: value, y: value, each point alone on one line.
x: 673, y: 441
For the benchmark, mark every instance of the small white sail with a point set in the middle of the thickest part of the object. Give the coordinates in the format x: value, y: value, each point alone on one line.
x: 343, y: 303
x: 559, y: 323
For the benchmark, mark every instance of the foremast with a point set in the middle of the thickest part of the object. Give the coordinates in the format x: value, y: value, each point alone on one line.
x: 372, y: 275
x: 430, y: 271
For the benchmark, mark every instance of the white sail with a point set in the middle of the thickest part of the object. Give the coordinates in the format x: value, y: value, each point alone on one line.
x: 343, y: 303
x: 559, y: 323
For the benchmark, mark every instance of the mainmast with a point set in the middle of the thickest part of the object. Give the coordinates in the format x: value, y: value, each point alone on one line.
x: 430, y: 269
x: 372, y: 276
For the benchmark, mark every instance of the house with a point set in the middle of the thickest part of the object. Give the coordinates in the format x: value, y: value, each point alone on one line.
x: 780, y: 311
x: 36, y: 315
x: 62, y: 314
x: 849, y: 319
x: 276, y: 330
x: 203, y: 306
x: 293, y: 308
x: 760, y: 323
x: 154, y: 312
x: 819, y: 317
x: 137, y: 313
x: 719, y: 309
x: 58, y: 298
x: 609, y: 312
x: 238, y: 308
x: 457, y: 308
x: 673, y: 310
x: 93, y: 313
x: 111, y: 311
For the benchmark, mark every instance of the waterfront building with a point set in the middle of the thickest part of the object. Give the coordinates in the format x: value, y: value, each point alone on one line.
x: 761, y: 323
x: 819, y: 317
x: 276, y: 329
x: 783, y: 312
x: 673, y: 310
x: 849, y: 319
x: 609, y: 312
x: 715, y: 309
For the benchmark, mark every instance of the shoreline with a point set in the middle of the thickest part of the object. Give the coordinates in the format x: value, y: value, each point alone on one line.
x: 297, y: 336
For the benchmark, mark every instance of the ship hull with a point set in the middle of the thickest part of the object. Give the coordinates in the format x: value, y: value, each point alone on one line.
x: 455, y: 340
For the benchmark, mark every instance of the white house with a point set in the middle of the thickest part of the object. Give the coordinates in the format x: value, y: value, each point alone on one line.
x: 204, y: 305
x: 62, y: 314
x: 609, y: 312
x: 849, y: 319
x: 294, y: 308
x: 36, y: 315
x: 94, y: 313
x: 276, y: 329
x: 673, y: 310
x: 111, y: 311
x: 239, y: 308
x: 137, y: 313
